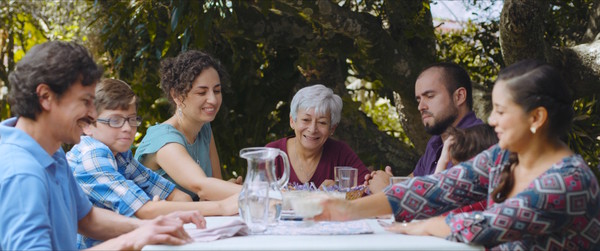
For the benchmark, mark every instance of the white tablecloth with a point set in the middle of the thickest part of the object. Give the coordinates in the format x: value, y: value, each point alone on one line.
x: 379, y: 240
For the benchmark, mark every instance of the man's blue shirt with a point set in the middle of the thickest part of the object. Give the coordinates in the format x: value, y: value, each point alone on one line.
x: 41, y: 202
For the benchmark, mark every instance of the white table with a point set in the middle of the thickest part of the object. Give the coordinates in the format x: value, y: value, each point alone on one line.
x: 379, y: 240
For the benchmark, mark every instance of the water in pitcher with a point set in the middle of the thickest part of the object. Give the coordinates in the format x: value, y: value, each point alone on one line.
x: 275, y: 204
x: 253, y: 206
x: 261, y: 171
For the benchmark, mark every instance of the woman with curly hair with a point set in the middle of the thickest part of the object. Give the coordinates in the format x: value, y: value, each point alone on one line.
x: 182, y: 148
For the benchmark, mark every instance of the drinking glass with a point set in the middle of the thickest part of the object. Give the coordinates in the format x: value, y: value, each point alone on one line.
x: 347, y: 178
x: 336, y: 175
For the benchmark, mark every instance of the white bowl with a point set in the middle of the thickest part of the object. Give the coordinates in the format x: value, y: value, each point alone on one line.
x: 289, y: 196
x: 308, y: 205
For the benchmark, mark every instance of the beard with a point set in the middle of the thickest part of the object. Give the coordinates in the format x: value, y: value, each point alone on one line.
x: 439, y: 127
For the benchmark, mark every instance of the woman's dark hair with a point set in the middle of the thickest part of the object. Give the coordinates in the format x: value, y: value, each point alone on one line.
x: 57, y: 64
x: 178, y: 74
x: 534, y: 84
x: 471, y: 141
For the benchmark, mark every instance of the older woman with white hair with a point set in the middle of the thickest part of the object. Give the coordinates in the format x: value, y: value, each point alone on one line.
x: 315, y: 113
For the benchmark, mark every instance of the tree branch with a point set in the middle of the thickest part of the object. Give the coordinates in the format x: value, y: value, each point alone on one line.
x: 522, y: 30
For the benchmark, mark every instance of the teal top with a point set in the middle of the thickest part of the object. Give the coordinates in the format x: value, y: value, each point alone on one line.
x: 159, y: 135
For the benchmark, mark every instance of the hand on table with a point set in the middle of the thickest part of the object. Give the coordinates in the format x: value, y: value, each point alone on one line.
x: 435, y: 226
x: 229, y: 205
x: 327, y: 183
x: 334, y: 210
x: 237, y: 180
x: 160, y: 230
x: 378, y: 180
x: 189, y: 217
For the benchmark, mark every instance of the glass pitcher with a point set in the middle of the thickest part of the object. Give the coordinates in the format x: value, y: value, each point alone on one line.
x: 261, y: 171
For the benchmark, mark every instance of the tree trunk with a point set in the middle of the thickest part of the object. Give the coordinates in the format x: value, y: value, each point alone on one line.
x: 400, y: 51
x: 522, y: 30
x: 375, y: 148
x: 522, y: 37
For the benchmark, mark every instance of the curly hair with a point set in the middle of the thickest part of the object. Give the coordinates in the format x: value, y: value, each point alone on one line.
x: 57, y: 64
x: 178, y: 74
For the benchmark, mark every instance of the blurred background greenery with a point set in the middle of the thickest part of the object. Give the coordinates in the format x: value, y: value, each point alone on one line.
x: 368, y: 51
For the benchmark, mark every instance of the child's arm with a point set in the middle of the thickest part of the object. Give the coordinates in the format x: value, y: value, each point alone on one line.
x: 445, y: 157
x: 178, y: 195
x: 152, y: 209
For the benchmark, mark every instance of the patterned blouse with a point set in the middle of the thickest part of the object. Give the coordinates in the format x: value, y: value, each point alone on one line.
x: 559, y: 210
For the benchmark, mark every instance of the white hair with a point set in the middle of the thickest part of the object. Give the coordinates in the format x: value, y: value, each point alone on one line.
x: 319, y: 97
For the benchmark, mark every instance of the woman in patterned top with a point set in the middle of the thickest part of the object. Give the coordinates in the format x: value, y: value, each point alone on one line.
x: 540, y: 194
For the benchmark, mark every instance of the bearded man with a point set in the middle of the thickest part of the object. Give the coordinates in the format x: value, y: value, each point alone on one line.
x: 444, y: 94
x: 445, y: 98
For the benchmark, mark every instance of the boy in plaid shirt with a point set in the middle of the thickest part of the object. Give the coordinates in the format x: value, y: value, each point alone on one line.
x: 104, y: 166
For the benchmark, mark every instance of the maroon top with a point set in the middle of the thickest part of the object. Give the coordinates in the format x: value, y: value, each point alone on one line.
x: 335, y: 153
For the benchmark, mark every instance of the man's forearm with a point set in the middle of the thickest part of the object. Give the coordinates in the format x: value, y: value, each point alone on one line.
x: 102, y: 224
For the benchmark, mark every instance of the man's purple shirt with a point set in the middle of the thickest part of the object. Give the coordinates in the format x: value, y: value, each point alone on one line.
x: 428, y: 161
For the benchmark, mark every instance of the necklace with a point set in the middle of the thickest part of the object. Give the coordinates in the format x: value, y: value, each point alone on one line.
x: 304, y: 169
x: 190, y: 149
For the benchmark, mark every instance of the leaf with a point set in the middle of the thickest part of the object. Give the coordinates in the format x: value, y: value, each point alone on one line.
x: 175, y: 18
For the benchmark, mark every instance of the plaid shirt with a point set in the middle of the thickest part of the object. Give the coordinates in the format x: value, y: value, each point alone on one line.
x: 118, y: 183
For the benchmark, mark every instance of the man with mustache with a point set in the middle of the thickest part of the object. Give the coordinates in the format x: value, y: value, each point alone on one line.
x: 43, y: 208
x: 444, y: 94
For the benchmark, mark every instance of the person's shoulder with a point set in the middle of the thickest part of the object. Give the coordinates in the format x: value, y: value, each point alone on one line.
x: 337, y: 149
x: 330, y: 142
x: 277, y: 143
x: 494, y: 157
x: 470, y: 120
x: 162, y: 130
x: 206, y: 127
x: 126, y: 157
x: 571, y: 166
x: 87, y: 145
x: 205, y: 133
x: 16, y: 161
x: 570, y: 174
x: 161, y: 127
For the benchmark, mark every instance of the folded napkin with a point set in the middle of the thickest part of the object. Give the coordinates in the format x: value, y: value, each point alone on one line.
x: 234, y: 228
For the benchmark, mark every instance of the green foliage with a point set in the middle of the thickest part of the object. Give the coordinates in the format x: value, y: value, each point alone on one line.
x: 24, y: 24
x: 271, y: 48
x: 378, y: 108
x: 566, y: 26
x: 584, y: 137
x: 567, y: 21
x: 476, y: 48
x: 136, y: 36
